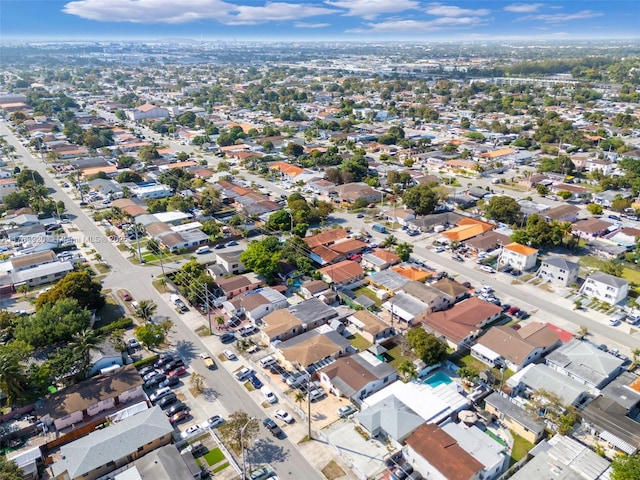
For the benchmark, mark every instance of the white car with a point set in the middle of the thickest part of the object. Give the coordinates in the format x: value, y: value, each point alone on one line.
x: 247, y: 330
x: 212, y: 422
x: 133, y: 343
x: 283, y: 415
x: 316, y: 395
x: 192, y: 430
x: 243, y: 373
x: 614, y: 322
x: 487, y: 268
x: 229, y: 354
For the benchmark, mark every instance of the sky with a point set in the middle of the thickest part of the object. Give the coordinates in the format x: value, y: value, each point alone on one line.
x: 340, y: 20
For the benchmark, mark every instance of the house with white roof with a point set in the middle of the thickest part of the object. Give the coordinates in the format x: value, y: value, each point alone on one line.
x: 518, y: 256
x: 606, y: 288
x: 536, y: 377
x: 584, y: 362
x: 558, y: 271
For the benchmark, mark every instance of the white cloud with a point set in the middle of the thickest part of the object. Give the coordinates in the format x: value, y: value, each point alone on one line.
x: 417, y: 26
x: 370, y: 9
x: 523, y: 7
x: 273, y: 11
x: 173, y: 12
x: 440, y: 10
x: 311, y: 25
x: 564, y: 17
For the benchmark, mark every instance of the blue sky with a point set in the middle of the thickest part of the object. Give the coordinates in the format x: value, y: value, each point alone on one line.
x: 318, y: 20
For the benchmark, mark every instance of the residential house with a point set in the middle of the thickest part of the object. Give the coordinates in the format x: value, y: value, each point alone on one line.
x: 565, y: 458
x: 258, y: 303
x: 113, y: 447
x: 343, y: 273
x: 89, y: 398
x: 230, y: 261
x: 607, y: 197
x: 388, y: 281
x: 626, y: 237
x: 403, y: 216
x: 517, y: 419
x: 371, y: 327
x: 390, y: 419
x: 358, y: 376
x: 186, y: 240
x: 314, y: 288
x: 147, y: 111
x: 239, y: 284
x: 467, y: 228
x: 584, y: 362
x: 106, y: 357
x: 42, y: 274
x: 558, y: 271
x: 280, y: 326
x: 404, y: 307
x: 428, y: 222
x: 7, y: 186
x: 487, y: 242
x: 313, y: 313
x: 462, y: 323
x: 503, y: 346
x: 379, y: 259
x: 452, y: 289
x: 31, y: 260
x: 591, y: 228
x: 30, y: 462
x: 436, y: 454
x: 562, y: 213
x: 326, y: 238
x: 526, y: 382
x: 576, y: 191
x: 606, y: 288
x: 436, y: 299
x: 412, y: 272
x: 350, y: 192
x: 492, y: 454
x: 164, y: 463
x: 518, y: 256
x: 313, y: 349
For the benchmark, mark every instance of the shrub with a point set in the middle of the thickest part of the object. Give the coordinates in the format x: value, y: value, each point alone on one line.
x: 145, y: 361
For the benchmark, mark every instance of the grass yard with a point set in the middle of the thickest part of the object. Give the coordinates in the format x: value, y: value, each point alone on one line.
x: 332, y: 471
x: 394, y: 355
x: 221, y: 467
x: 111, y: 312
x: 367, y: 292
x: 359, y: 342
x: 214, y: 456
x: 520, y: 448
x: 471, y: 362
x: 102, y: 268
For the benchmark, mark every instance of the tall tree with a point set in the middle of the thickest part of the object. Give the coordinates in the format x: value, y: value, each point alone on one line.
x: 12, y: 377
x: 422, y: 198
x: 505, y: 210
x: 626, y: 467
x: 9, y: 470
x: 239, y: 425
x: 262, y: 257
x: 426, y: 346
x: 404, y: 251
x: 77, y: 285
x: 146, y: 309
x: 83, y: 343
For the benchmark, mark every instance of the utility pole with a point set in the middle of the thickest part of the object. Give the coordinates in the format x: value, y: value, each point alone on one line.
x: 135, y: 225
x: 244, y: 465
x: 206, y: 299
x: 309, y: 405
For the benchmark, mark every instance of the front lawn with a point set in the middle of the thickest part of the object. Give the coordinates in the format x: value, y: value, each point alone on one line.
x: 359, y: 342
x: 214, y: 456
x: 367, y: 292
x: 520, y: 448
x: 393, y: 356
x: 111, y: 312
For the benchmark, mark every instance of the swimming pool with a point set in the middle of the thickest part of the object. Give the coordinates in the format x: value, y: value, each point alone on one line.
x: 438, y: 379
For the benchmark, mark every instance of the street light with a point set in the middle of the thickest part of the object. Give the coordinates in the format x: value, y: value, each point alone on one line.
x: 244, y: 466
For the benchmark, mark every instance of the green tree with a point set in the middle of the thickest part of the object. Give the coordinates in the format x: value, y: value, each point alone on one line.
x: 612, y: 267
x: 626, y: 467
x: 76, y: 285
x: 9, y: 470
x: 12, y: 377
x: 82, y: 344
x: 426, y: 346
x: 197, y: 382
x: 542, y: 189
x: 294, y: 149
x: 594, y: 209
x: 148, y: 153
x: 145, y: 311
x: 239, y: 427
x: 407, y: 371
x: 281, y: 221
x: 262, y: 257
x: 52, y: 323
x: 28, y: 177
x: 504, y: 209
x: 565, y: 194
x: 150, y: 335
x: 389, y: 241
x: 404, y: 251
x: 422, y: 198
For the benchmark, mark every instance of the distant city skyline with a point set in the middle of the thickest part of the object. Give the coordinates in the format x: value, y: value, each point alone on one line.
x: 340, y: 20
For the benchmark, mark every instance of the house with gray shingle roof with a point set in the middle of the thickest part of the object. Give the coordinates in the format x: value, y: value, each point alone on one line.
x: 585, y: 363
x: 606, y: 288
x: 106, y: 450
x: 558, y: 271
x: 536, y: 377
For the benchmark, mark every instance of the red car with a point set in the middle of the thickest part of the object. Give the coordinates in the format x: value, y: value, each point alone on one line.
x: 179, y: 417
x: 178, y: 372
x: 126, y: 297
x: 513, y: 310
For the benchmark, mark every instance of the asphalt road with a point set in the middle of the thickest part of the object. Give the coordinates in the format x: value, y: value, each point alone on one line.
x: 285, y: 457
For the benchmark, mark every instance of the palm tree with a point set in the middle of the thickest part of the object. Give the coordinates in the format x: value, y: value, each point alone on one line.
x: 300, y: 397
x: 636, y: 354
x: 12, y: 378
x: 389, y: 241
x: 83, y: 343
x: 583, y: 332
x: 146, y: 310
x: 408, y: 371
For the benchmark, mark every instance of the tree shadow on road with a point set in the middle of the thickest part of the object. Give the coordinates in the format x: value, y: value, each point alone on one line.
x: 265, y: 451
x: 185, y: 349
x: 210, y: 395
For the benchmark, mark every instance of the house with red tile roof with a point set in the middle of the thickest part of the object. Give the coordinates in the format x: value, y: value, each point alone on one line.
x: 343, y: 273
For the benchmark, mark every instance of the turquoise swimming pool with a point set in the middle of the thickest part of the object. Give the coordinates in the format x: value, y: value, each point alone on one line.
x: 438, y: 379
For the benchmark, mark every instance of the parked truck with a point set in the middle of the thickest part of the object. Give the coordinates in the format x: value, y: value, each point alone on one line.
x: 379, y: 228
x: 208, y: 361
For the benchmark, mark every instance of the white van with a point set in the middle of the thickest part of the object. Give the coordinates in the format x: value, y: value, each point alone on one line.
x: 269, y: 396
x: 267, y: 361
x: 203, y: 249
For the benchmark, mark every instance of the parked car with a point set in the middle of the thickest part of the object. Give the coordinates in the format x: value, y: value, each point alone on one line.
x: 487, y: 268
x: 345, y: 411
x: 273, y: 427
x: 521, y: 314
x: 163, y: 360
x: 277, y: 369
x: 233, y: 322
x: 126, y: 297
x: 191, y: 431
x: 402, y: 472
x: 515, y: 273
x: 513, y: 310
x: 268, y: 394
x: 159, y: 393
x: 212, y: 422
x: 268, y: 361
x: 154, y: 381
x: 178, y: 407
x: 316, y: 395
x: 172, y: 365
x: 167, y: 401
x: 255, y: 381
x: 227, y: 337
x: 247, y: 330
x: 232, y: 243
x: 229, y: 354
x: 243, y: 373
x: 169, y: 382
x: 133, y: 343
x: 178, y: 372
x: 457, y: 258
x: 283, y: 415
x: 179, y: 417
x: 146, y: 371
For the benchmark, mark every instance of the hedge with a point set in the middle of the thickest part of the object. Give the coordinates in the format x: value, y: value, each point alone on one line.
x: 123, y: 323
x: 145, y: 361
